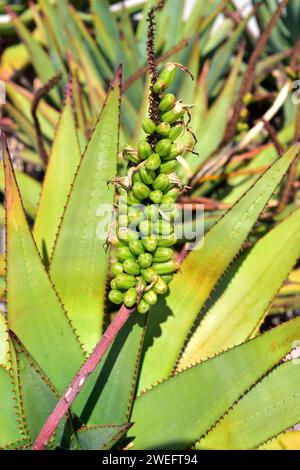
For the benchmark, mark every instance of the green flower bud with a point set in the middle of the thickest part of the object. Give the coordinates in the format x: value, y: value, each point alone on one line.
x: 161, y: 182
x: 147, y: 176
x: 175, y: 114
x: 156, y: 196
x: 168, y: 267
x: 153, y: 162
x: 148, y: 274
x: 116, y: 297
x: 176, y: 149
x: 130, y: 297
x: 148, y: 126
x: 167, y: 200
x: 163, y: 129
x: 123, y: 220
x: 150, y: 243
x: 144, y: 149
x: 127, y: 234
x: 168, y: 167
x: 151, y: 211
x: 173, y: 193
x: 145, y: 227
x: 135, y: 215
x: 137, y: 178
x: 167, y: 278
x: 131, y: 267
x: 176, y: 131
x: 159, y: 86
x: 132, y: 200
x: 168, y: 74
x: 143, y: 307
x: 125, y: 281
x: 113, y: 284
x: 131, y: 154
x: 167, y: 240
x: 123, y: 252
x: 140, y: 191
x: 160, y: 287
x: 167, y: 102
x: 163, y: 227
x: 162, y: 254
x: 150, y: 297
x: 136, y: 247
x: 117, y: 268
x: 163, y: 147
x: 145, y: 260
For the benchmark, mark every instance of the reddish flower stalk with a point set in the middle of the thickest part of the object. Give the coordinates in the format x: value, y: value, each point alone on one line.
x: 80, y: 379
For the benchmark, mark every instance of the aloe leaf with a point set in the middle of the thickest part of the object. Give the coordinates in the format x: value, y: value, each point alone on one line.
x: 238, y: 312
x: 271, y: 407
x: 100, y: 437
x: 61, y: 168
x: 201, y: 271
x: 106, y: 29
x: 289, y: 440
x: 34, y: 310
x: 39, y: 59
x: 192, y: 401
x: 4, y: 343
x: 79, y: 263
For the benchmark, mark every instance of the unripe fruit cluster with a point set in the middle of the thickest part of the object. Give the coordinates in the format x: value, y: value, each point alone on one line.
x: 144, y: 252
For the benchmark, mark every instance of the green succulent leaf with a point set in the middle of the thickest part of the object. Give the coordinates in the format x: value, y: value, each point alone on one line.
x: 238, y: 312
x: 271, y: 407
x: 79, y: 263
x: 100, y: 437
x: 201, y: 270
x: 188, y: 404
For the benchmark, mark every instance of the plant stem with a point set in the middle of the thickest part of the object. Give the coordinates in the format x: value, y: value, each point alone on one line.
x: 80, y: 379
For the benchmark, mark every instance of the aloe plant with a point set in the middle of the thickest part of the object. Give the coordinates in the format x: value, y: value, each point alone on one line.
x: 193, y: 371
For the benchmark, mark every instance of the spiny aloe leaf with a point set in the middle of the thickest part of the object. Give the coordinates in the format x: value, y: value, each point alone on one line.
x: 238, y: 312
x: 61, y: 168
x: 201, y: 271
x: 79, y: 263
x: 289, y: 440
x: 37, y: 396
x: 39, y: 59
x: 34, y: 310
x: 100, y: 437
x: 271, y: 407
x: 187, y: 405
x: 106, y: 28
x: 30, y: 190
x: 4, y: 343
x: 111, y: 387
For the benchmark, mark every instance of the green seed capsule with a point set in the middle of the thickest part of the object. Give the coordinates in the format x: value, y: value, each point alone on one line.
x: 176, y: 131
x: 148, y: 126
x: 127, y: 234
x: 153, y: 162
x: 173, y: 193
x: 143, y: 307
x: 147, y: 176
x: 161, y: 182
x: 123, y: 252
x: 117, y: 268
x: 160, y: 287
x: 167, y: 240
x: 176, y: 149
x: 132, y: 200
x: 150, y: 243
x: 113, y: 284
x: 150, y: 297
x: 168, y: 167
x: 159, y: 86
x: 130, y: 297
x: 135, y: 215
x: 167, y: 267
x: 137, y: 178
x: 163, y: 227
x: 168, y: 74
x: 125, y: 281
x: 163, y: 147
x: 167, y: 278
x: 144, y: 149
x: 145, y: 260
x: 151, y: 211
x: 148, y: 274
x: 116, y: 297
x: 131, y: 267
x: 163, y: 129
x: 156, y: 196
x: 136, y: 247
x: 140, y: 191
x: 162, y: 254
x: 145, y: 227
x: 167, y: 102
x: 175, y: 114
